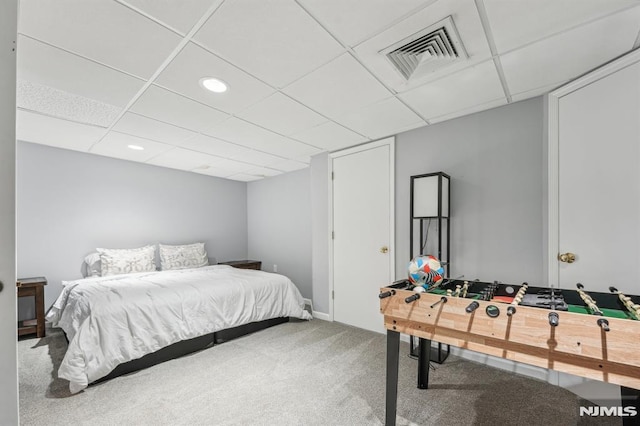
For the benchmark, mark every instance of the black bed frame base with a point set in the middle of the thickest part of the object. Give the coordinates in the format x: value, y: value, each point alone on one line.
x: 185, y: 347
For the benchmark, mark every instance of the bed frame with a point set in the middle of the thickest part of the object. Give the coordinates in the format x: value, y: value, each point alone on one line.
x: 185, y: 347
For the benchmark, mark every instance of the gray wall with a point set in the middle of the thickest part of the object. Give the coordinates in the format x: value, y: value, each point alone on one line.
x: 495, y: 162
x: 69, y: 203
x: 320, y: 229
x: 279, y: 225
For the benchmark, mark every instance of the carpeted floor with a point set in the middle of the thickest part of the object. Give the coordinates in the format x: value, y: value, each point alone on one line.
x: 298, y: 373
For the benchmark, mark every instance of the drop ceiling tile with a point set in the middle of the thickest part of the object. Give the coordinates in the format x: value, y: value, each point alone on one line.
x: 515, y: 97
x: 163, y: 105
x: 355, y: 20
x: 48, y: 66
x: 224, y: 168
x: 57, y: 103
x: 473, y: 86
x: 214, y: 146
x: 515, y: 23
x: 288, y: 165
x: 229, y: 150
x: 263, y: 172
x: 139, y: 125
x: 467, y: 22
x: 256, y: 157
x: 383, y: 118
x: 243, y: 177
x: 476, y: 108
x: 570, y: 54
x: 193, y: 63
x: 115, y: 145
x: 340, y: 86
x: 274, y: 40
x: 281, y: 114
x: 306, y: 159
x: 236, y: 166
x: 180, y: 15
x: 252, y: 156
x: 244, y: 133
x: 104, y: 31
x: 215, y: 172
x: 37, y: 128
x: 183, y: 159
x: 330, y: 136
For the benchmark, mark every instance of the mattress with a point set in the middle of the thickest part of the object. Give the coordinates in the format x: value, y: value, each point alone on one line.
x: 115, y: 319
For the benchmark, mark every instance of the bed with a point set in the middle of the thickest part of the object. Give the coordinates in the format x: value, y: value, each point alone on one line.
x: 115, y: 320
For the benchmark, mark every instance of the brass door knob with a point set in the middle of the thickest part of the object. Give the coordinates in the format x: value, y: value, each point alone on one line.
x: 384, y: 249
x: 566, y: 257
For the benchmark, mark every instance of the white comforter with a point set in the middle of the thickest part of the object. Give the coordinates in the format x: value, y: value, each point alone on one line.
x: 111, y: 320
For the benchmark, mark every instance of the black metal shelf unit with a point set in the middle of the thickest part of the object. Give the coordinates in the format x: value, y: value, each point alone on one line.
x: 430, y: 197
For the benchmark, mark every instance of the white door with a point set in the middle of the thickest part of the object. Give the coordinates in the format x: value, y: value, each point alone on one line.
x: 599, y: 183
x: 594, y: 190
x: 8, y: 330
x: 362, y: 232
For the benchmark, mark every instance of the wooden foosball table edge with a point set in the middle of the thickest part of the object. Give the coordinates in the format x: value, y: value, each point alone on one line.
x: 575, y: 347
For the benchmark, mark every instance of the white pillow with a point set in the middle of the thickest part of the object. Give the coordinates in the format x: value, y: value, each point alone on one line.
x: 94, y: 268
x: 183, y: 256
x: 127, y: 261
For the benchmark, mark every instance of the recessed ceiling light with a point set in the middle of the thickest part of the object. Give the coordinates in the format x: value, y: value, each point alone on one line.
x: 213, y: 84
x: 136, y: 147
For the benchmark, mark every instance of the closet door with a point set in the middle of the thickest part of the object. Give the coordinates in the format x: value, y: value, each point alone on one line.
x: 599, y: 183
x: 594, y: 191
x: 363, y: 232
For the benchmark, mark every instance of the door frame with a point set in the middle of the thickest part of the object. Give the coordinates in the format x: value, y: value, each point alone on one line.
x: 553, y: 160
x: 390, y: 141
x: 9, y: 384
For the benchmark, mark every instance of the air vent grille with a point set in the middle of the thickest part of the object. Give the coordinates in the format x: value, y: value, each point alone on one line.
x: 426, y: 51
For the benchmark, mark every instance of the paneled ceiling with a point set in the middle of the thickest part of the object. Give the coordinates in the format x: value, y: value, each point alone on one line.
x: 303, y: 76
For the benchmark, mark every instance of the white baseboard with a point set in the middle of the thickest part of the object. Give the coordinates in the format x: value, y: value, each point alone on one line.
x: 321, y: 316
x: 503, y: 364
x: 591, y: 390
x: 316, y: 314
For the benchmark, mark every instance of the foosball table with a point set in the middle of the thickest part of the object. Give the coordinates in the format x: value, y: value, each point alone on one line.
x: 589, y: 334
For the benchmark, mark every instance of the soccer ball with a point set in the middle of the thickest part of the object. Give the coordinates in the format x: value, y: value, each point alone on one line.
x: 425, y: 271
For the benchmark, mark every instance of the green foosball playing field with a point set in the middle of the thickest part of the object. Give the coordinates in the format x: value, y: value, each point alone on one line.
x: 608, y: 312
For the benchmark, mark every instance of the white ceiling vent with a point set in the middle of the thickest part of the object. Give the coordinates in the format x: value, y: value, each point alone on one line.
x: 427, y: 51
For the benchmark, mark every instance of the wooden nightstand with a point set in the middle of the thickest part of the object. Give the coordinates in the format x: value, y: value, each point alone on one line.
x: 244, y: 264
x: 33, y: 287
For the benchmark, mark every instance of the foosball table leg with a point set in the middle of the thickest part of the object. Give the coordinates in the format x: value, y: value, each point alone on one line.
x: 393, y: 360
x: 424, y: 359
